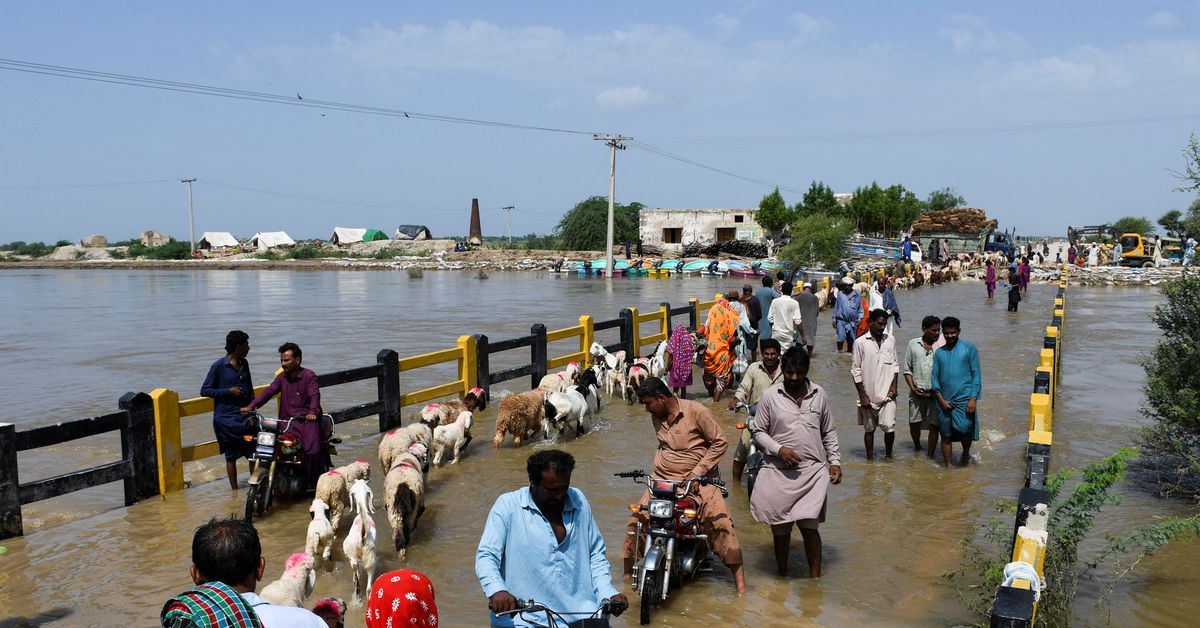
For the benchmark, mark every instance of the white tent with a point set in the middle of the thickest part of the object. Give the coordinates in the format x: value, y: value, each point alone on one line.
x: 264, y: 240
x: 347, y: 235
x: 216, y: 240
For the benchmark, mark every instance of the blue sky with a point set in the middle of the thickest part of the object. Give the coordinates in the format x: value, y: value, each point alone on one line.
x: 1023, y: 107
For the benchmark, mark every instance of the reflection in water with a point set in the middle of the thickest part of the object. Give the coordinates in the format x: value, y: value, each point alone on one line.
x: 893, y: 527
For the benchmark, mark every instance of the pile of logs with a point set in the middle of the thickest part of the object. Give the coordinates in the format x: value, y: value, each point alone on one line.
x: 738, y: 248
x: 957, y: 220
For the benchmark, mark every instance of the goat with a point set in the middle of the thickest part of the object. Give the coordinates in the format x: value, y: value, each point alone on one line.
x: 296, y: 583
x: 453, y: 437
x: 657, y: 365
x: 637, y: 375
x: 319, y: 539
x: 579, y: 404
x: 359, y: 545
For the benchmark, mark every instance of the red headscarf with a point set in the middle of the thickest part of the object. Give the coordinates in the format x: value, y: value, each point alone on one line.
x: 401, y: 598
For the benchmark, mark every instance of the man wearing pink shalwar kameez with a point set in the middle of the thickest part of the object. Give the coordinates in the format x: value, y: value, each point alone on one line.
x: 794, y: 429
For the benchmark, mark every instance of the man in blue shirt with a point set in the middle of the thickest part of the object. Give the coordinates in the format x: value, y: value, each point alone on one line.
x: 228, y: 383
x: 542, y: 543
x: 956, y: 384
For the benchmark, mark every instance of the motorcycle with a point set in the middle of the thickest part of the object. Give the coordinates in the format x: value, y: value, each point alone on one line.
x: 674, y: 548
x: 556, y: 619
x: 754, y: 459
x: 281, y: 465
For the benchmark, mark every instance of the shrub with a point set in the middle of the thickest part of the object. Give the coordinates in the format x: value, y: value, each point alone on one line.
x: 269, y: 255
x: 62, y: 243
x: 173, y: 249
x: 306, y: 251
x: 32, y: 249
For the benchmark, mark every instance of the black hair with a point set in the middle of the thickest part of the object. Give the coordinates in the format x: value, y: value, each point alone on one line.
x: 930, y: 321
x: 779, y: 275
x: 226, y: 551
x: 653, y: 387
x: 553, y: 460
x: 293, y: 347
x: 746, y: 289
x: 952, y: 323
x: 795, y: 359
x: 234, y: 339
x: 786, y: 287
x: 766, y: 281
x: 878, y: 313
x: 769, y: 343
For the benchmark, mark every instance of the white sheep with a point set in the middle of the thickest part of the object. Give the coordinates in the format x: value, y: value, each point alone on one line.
x: 359, y: 545
x: 404, y: 497
x: 319, y: 539
x: 637, y: 375
x: 398, y: 440
x: 333, y: 487
x: 296, y: 583
x: 452, y: 437
x: 560, y: 381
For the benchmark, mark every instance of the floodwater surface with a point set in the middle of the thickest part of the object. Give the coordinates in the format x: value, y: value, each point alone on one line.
x: 74, y: 341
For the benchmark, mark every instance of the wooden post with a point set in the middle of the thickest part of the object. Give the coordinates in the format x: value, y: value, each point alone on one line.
x: 139, y: 448
x: 635, y: 336
x: 10, y: 484
x: 694, y: 315
x: 628, y: 333
x: 466, y: 370
x: 538, y: 354
x: 586, y: 339
x: 388, y: 385
x: 483, y: 377
x: 168, y: 439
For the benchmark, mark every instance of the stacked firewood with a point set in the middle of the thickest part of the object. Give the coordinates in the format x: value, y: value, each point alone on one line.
x: 736, y: 248
x: 957, y: 220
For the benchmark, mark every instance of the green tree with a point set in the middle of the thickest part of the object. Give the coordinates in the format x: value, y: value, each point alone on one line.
x: 1172, y: 222
x: 945, y: 198
x: 819, y: 199
x: 1191, y: 223
x: 1191, y: 170
x: 901, y: 209
x: 585, y: 226
x: 773, y: 214
x: 817, y: 240
x: 866, y: 208
x: 1133, y: 224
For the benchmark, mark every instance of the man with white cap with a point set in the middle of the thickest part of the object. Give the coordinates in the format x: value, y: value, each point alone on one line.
x: 847, y: 314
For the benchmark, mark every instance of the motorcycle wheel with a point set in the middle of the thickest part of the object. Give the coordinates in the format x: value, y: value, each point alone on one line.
x: 651, y: 591
x: 251, y: 502
x: 752, y: 465
x: 265, y: 488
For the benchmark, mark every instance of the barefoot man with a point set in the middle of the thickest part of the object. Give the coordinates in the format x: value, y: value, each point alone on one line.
x: 876, y: 374
x: 956, y: 386
x: 794, y: 428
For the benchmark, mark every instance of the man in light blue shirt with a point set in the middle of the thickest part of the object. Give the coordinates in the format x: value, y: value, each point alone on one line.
x: 542, y: 543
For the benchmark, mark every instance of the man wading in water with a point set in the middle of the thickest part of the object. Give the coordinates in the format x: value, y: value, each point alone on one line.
x: 956, y: 385
x: 876, y: 375
x: 228, y: 384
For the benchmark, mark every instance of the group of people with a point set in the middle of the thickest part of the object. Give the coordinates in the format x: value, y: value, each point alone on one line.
x: 1015, y: 282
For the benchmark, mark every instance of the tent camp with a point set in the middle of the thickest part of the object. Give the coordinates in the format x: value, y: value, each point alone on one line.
x: 343, y: 236
x: 264, y: 240
x: 413, y: 232
x: 216, y: 240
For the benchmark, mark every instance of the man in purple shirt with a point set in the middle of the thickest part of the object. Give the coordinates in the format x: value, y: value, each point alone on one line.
x: 228, y: 383
x: 299, y: 397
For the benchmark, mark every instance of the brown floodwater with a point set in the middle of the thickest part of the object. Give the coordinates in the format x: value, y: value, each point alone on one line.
x: 73, y: 341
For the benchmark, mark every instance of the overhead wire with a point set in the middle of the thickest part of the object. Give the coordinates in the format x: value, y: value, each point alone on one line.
x: 669, y: 155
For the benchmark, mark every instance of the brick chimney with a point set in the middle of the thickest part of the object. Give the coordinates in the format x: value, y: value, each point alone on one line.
x: 476, y: 235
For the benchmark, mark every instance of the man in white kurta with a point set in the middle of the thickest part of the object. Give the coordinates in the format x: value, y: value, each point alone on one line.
x: 784, y: 317
x: 794, y: 430
x: 876, y: 372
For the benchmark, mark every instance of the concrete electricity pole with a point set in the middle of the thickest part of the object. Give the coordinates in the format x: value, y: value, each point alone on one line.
x: 614, y: 142
x: 508, y: 220
x: 191, y: 216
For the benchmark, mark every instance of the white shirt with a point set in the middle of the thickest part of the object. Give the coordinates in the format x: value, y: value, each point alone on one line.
x: 784, y: 317
x: 283, y: 616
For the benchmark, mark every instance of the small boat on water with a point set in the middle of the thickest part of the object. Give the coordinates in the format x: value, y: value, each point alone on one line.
x: 715, y: 268
x: 619, y: 266
x: 742, y: 269
x: 694, y: 266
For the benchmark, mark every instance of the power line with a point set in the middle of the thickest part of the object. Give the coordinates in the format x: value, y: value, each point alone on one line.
x: 669, y: 155
x: 28, y: 67
x: 928, y: 133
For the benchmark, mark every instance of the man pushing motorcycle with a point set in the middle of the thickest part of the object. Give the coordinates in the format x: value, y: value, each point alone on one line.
x: 690, y: 444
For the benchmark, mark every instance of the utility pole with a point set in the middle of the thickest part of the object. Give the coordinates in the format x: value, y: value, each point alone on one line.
x: 508, y: 210
x: 191, y: 215
x: 614, y: 142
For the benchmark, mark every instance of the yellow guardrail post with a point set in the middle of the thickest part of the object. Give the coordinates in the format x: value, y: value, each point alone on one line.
x: 1041, y: 413
x: 695, y: 303
x: 467, y: 371
x: 825, y: 284
x: 586, y: 339
x: 663, y: 326
x: 168, y: 439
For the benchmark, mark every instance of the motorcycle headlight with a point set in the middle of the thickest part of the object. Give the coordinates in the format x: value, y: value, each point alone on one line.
x: 266, y: 438
x: 661, y: 508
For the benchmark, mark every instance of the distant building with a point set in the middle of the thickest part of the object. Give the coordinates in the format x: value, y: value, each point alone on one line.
x: 216, y: 240
x: 674, y: 228
x: 154, y: 238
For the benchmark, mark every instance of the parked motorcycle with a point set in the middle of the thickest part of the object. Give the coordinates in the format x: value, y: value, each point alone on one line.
x: 754, y: 460
x: 673, y: 546
x: 281, y: 467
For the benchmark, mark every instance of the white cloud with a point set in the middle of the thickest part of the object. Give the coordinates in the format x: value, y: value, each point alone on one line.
x: 623, y: 97
x: 1140, y: 68
x: 970, y: 34
x: 808, y: 25
x: 1162, y: 19
x: 726, y: 23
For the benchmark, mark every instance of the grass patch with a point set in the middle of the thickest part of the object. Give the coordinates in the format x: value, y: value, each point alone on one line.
x: 32, y: 249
